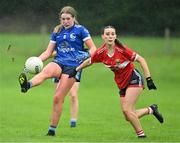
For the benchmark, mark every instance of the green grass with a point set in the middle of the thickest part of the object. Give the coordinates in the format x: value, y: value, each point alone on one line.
x: 25, y: 117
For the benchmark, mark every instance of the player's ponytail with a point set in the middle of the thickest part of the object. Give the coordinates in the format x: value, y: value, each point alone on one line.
x: 76, y: 22
x: 57, y: 28
x: 119, y: 44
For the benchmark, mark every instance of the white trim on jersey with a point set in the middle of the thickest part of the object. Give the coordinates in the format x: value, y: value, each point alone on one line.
x: 138, y: 74
x: 90, y: 61
x: 52, y: 41
x: 86, y: 38
x: 108, y: 66
x: 119, y: 66
x: 124, y: 64
x: 136, y: 57
x: 110, y: 55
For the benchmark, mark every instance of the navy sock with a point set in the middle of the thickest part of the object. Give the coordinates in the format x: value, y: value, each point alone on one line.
x: 51, y: 131
x: 29, y: 84
x: 52, y: 128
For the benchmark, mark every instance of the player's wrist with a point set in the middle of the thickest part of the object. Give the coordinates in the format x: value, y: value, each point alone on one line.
x: 148, y: 78
x: 77, y: 69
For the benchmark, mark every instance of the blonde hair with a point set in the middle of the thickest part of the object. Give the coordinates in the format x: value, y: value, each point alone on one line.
x: 69, y: 10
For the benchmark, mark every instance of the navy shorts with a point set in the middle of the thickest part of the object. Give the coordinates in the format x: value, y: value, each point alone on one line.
x: 77, y: 77
x: 135, y: 81
x: 68, y: 70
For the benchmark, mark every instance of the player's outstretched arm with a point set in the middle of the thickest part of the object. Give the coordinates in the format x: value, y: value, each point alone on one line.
x: 85, y: 64
x: 90, y: 44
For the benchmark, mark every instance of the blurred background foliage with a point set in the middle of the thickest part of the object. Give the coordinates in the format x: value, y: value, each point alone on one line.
x: 130, y: 17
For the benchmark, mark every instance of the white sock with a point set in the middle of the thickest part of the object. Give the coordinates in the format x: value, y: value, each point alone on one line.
x: 141, y: 133
x: 73, y: 120
x: 150, y: 110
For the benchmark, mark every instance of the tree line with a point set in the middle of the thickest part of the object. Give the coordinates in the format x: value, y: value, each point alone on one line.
x: 130, y: 17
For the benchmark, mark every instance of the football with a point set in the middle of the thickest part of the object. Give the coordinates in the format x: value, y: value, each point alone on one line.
x: 33, y: 65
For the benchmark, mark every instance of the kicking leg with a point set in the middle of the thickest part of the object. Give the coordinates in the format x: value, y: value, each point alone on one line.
x: 51, y: 70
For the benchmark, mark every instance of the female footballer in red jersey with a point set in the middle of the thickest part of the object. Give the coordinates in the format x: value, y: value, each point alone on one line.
x: 119, y: 59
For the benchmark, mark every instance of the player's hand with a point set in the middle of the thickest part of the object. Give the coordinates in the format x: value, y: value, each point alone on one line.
x: 73, y: 73
x: 150, y: 83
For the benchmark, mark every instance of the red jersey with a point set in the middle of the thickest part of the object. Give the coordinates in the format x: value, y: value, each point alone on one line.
x: 121, y: 62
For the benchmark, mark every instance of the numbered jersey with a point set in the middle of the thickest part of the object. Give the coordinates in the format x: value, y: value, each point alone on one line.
x: 70, y: 45
x: 121, y: 63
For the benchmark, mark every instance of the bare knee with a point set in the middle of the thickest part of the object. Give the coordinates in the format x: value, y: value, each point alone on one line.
x: 45, y: 73
x: 127, y: 113
x: 58, y: 100
x: 73, y: 99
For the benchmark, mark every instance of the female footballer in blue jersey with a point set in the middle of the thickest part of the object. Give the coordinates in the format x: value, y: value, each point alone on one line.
x: 73, y: 96
x: 68, y: 38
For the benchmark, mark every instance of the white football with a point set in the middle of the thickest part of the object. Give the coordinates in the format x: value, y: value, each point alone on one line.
x: 33, y: 65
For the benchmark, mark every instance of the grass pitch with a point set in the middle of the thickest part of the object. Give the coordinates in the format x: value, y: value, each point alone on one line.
x: 25, y: 117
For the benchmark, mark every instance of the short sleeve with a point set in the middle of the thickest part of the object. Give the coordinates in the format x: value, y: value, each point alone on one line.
x: 85, y: 33
x: 53, y: 37
x: 130, y: 54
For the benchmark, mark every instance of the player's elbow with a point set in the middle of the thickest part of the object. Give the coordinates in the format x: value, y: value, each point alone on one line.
x: 141, y: 59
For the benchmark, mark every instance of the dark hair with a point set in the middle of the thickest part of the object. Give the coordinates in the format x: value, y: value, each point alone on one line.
x: 109, y: 26
x: 117, y: 42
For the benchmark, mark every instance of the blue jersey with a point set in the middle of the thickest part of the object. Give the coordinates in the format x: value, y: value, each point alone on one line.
x: 70, y: 45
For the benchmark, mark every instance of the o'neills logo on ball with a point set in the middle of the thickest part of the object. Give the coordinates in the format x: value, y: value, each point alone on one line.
x: 37, y: 70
